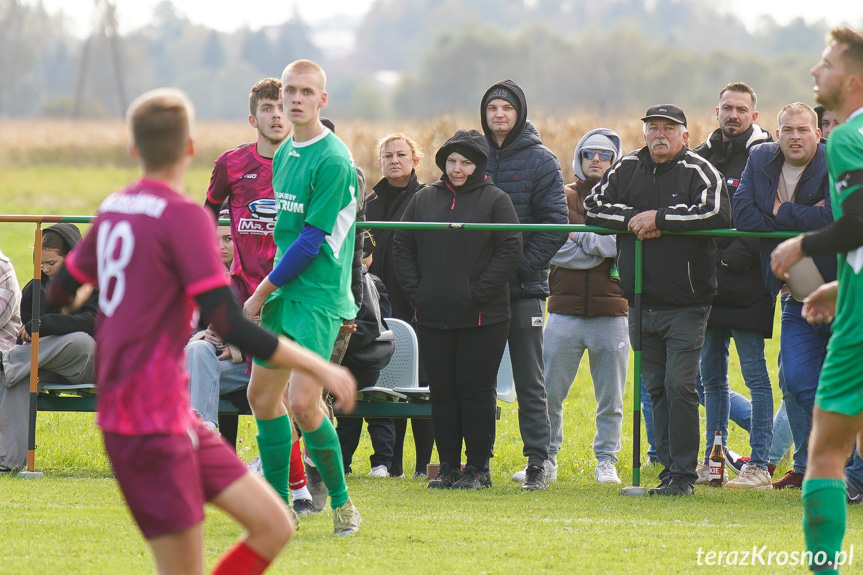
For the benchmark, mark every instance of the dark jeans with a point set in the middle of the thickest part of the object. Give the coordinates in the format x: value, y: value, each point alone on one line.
x: 461, y: 366
x: 670, y: 348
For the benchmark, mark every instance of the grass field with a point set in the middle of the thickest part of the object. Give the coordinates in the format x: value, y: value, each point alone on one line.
x: 74, y: 521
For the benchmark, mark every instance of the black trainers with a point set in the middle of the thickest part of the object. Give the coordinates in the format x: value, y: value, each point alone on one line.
x: 734, y: 461
x: 473, y: 478
x: 303, y: 507
x: 663, y: 485
x: 534, y: 478
x: 446, y: 476
x: 674, y: 487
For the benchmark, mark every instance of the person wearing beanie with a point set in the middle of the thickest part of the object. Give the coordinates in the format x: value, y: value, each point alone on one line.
x: 666, y: 187
x: 456, y: 282
x: 530, y: 174
x: 66, y: 347
x: 587, y: 312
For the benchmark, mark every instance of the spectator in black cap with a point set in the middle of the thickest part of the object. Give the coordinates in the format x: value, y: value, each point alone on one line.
x: 666, y: 187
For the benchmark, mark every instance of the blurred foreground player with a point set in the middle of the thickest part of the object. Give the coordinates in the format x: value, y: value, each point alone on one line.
x: 151, y: 252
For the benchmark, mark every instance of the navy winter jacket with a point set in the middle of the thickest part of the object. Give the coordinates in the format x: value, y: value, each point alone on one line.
x: 753, y: 205
x: 530, y: 175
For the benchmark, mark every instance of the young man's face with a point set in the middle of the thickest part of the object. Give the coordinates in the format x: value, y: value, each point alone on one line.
x: 735, y: 113
x: 798, y: 137
x: 269, y: 120
x: 303, y: 97
x: 592, y: 163
x: 828, y: 122
x: 829, y: 76
x: 501, y: 117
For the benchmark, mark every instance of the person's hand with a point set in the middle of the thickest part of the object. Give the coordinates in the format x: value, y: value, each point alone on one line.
x: 211, y: 337
x: 820, y: 305
x: 776, y: 203
x: 340, y: 383
x: 644, y: 225
x: 347, y: 329
x: 253, y: 305
x: 785, y: 256
x: 22, y: 333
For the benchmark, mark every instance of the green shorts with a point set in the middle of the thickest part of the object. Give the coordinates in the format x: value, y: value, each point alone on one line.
x: 840, y: 387
x: 310, y: 326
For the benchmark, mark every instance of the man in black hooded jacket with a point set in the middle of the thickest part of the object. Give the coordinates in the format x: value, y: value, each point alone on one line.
x: 530, y: 174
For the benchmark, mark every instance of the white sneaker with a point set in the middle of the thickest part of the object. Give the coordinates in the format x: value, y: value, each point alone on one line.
x: 550, y: 473
x: 605, y: 472
x: 751, y: 478
x: 518, y: 477
x: 703, y: 471
x: 379, y: 471
x: 254, y: 465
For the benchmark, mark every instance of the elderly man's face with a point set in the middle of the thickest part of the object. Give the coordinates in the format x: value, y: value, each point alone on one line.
x: 664, y: 138
x: 798, y: 137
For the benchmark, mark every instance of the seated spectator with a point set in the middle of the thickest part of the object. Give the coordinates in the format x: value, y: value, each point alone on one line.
x: 66, y: 348
x: 369, y: 350
x: 214, y: 367
x: 457, y: 283
x: 10, y: 304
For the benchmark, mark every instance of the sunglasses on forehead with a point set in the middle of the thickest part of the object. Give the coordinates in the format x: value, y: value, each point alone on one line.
x: 604, y: 155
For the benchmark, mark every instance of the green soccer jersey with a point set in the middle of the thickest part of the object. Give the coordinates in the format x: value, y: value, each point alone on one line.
x: 844, y: 155
x: 315, y: 182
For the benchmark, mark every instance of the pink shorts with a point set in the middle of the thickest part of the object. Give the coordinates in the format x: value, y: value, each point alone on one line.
x: 166, y: 479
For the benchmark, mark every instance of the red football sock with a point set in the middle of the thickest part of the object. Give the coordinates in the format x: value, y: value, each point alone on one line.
x: 297, y: 477
x: 241, y: 560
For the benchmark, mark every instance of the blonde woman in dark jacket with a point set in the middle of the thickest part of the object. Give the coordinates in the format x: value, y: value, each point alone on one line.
x: 457, y: 283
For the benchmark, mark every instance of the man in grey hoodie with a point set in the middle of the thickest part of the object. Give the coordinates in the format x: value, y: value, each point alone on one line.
x: 587, y: 312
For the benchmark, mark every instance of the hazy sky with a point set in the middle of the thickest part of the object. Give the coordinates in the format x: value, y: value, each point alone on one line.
x: 230, y: 15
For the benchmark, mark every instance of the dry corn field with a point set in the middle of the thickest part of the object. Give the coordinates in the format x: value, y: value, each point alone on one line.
x: 76, y: 143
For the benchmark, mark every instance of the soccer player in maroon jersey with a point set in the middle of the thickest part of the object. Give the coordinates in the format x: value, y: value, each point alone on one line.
x: 244, y: 177
x: 153, y: 255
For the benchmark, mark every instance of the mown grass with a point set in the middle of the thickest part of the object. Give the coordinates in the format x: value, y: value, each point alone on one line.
x: 74, y: 520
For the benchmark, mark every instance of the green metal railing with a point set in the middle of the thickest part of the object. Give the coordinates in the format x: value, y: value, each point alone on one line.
x: 636, y: 344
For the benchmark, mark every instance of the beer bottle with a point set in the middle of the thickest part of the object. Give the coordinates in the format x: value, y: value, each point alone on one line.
x: 717, y: 462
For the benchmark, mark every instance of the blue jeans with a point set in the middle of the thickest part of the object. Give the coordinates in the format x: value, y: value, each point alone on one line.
x: 799, y: 421
x: 740, y: 411
x: 210, y: 377
x: 753, y: 366
x: 647, y: 414
x: 782, y: 438
x: 804, y: 347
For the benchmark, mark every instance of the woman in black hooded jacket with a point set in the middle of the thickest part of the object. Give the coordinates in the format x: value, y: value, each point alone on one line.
x: 457, y: 284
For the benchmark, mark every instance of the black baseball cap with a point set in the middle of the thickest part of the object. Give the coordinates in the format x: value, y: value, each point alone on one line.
x: 667, y: 111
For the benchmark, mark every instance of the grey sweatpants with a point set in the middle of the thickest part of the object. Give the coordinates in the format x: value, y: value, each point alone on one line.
x: 606, y: 340
x: 62, y: 359
x: 525, y: 350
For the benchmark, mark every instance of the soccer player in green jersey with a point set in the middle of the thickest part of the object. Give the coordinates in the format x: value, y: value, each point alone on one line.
x: 307, y: 294
x: 838, y: 416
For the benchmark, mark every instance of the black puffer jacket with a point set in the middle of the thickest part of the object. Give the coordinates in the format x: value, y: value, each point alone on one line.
x: 387, y: 204
x: 530, y: 174
x: 458, y: 278
x: 51, y: 320
x: 742, y: 299
x: 689, y: 194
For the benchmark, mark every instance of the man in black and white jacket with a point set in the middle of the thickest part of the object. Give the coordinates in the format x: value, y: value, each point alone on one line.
x: 666, y: 187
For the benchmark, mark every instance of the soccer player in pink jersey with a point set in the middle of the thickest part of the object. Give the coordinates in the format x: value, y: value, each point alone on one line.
x: 152, y: 253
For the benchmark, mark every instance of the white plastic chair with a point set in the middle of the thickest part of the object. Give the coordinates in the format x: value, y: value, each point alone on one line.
x: 505, y: 380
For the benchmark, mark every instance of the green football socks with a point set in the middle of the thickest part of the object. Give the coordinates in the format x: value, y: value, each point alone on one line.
x: 326, y: 452
x: 274, y: 444
x: 824, y: 509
